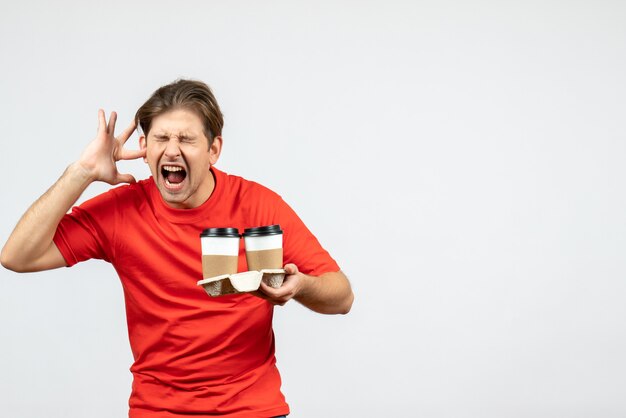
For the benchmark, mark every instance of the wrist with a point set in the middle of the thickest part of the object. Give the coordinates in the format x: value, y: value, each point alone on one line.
x: 80, y: 173
x: 304, y: 285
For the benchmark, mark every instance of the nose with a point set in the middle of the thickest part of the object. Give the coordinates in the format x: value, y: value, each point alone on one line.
x: 172, y: 150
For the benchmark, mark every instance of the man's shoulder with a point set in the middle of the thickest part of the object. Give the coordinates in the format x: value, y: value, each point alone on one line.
x: 125, y: 194
x: 250, y: 189
x: 138, y: 190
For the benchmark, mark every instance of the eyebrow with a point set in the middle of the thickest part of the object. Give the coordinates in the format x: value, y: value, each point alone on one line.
x: 182, y: 135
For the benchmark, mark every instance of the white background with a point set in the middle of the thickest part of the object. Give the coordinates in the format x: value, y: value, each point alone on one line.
x: 463, y: 161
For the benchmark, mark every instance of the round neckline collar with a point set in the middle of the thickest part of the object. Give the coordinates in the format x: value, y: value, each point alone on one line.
x: 187, y: 215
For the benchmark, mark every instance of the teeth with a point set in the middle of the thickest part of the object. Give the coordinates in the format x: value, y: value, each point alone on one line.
x: 172, y: 168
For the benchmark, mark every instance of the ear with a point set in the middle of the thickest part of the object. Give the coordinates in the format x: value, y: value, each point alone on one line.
x: 143, y: 145
x: 215, y: 150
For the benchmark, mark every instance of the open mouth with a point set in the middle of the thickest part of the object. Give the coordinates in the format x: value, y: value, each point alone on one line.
x: 174, y: 175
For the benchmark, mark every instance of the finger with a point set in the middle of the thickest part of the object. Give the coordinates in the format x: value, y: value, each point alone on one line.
x: 290, y: 269
x: 269, y: 293
x: 260, y: 294
x: 271, y: 299
x: 132, y: 154
x: 124, y: 178
x: 127, y: 132
x: 102, y: 122
x: 263, y: 288
x: 111, y: 126
x: 280, y: 293
x: 267, y: 290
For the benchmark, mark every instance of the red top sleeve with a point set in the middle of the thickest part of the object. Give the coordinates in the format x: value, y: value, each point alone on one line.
x: 301, y: 247
x: 80, y: 235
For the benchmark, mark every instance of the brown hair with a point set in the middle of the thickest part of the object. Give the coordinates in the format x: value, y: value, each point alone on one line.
x: 186, y: 94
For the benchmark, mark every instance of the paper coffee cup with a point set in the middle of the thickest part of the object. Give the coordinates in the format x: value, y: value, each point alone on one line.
x: 220, y: 251
x: 264, y: 247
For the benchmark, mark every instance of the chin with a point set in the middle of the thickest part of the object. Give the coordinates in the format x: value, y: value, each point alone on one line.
x: 170, y: 198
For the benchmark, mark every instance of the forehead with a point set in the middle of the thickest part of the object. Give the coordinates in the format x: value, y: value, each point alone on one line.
x: 177, y: 122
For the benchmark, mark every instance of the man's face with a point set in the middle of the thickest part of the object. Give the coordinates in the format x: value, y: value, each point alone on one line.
x: 179, y: 157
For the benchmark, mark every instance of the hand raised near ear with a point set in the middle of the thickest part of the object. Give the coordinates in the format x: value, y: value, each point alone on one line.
x: 101, y: 155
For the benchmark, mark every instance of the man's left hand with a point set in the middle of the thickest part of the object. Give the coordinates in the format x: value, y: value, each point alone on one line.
x: 291, y: 286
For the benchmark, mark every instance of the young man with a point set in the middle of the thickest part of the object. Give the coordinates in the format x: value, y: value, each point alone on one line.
x: 193, y: 355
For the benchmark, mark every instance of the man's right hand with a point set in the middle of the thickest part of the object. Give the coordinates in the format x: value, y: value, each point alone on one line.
x: 99, y: 159
x: 30, y: 246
